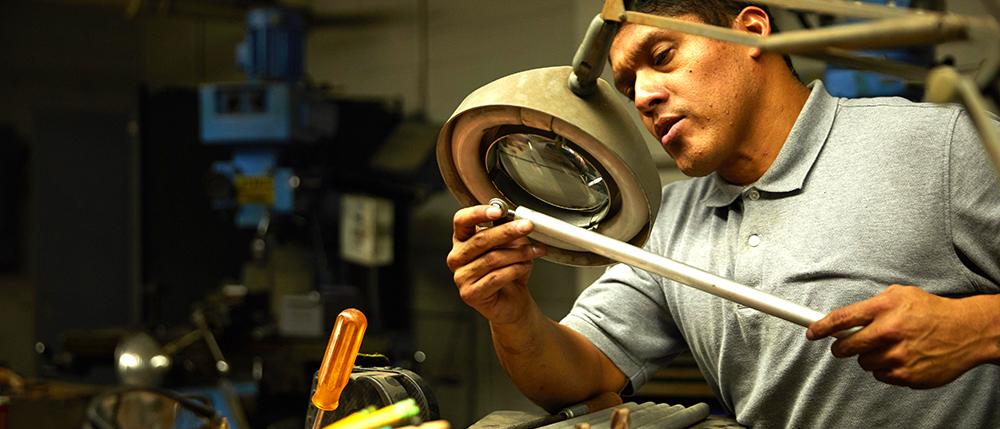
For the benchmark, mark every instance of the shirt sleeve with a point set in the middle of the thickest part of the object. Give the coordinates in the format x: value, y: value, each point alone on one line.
x: 975, y: 205
x: 625, y: 315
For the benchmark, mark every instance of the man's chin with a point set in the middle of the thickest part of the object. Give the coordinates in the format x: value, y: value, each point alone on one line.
x: 692, y: 169
x: 691, y: 166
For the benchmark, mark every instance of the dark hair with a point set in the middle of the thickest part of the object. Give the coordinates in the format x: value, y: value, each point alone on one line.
x: 715, y: 12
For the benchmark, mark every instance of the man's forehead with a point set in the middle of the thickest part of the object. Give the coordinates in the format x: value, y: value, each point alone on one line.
x: 629, y: 39
x: 633, y: 39
x: 631, y: 43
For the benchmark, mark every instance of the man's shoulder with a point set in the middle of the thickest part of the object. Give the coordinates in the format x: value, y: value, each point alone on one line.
x: 907, y: 109
x: 894, y: 119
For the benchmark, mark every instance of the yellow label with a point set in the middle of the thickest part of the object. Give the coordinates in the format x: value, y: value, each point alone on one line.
x: 254, y: 189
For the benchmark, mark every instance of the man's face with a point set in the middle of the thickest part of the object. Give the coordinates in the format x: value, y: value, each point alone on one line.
x: 694, y: 94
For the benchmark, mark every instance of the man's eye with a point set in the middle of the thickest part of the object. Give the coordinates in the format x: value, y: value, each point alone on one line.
x: 628, y: 91
x: 663, y: 57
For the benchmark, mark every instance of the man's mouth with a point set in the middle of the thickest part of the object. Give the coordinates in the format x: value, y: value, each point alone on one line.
x: 667, y: 128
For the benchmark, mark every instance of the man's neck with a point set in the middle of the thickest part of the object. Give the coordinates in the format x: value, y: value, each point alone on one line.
x: 777, y: 110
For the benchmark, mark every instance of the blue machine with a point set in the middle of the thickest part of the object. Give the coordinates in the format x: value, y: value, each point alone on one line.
x: 844, y: 82
x: 260, y: 117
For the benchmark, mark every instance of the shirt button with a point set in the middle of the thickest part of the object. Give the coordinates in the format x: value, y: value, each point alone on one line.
x: 753, y: 194
x: 754, y: 240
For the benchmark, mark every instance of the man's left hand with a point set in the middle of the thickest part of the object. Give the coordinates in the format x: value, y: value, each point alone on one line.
x: 914, y: 338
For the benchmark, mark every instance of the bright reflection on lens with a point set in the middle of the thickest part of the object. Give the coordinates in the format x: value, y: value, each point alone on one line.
x: 129, y: 361
x: 551, y: 171
x: 159, y: 361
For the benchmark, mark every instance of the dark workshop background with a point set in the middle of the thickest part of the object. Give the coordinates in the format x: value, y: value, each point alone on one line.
x: 105, y: 218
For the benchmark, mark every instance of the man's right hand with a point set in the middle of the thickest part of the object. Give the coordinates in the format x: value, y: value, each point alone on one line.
x: 492, y: 265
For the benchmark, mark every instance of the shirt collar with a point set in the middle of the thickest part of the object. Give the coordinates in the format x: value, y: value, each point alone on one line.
x: 789, y: 170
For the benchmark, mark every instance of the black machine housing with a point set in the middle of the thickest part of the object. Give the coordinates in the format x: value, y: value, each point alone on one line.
x: 378, y: 387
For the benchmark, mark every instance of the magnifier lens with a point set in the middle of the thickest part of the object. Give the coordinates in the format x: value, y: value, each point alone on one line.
x: 551, y: 171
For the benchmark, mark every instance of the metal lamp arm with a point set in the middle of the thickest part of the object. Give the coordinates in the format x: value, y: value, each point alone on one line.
x: 588, y: 62
x: 899, y: 31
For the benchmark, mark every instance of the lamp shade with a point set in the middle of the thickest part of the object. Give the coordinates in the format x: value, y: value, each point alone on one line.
x: 528, y: 139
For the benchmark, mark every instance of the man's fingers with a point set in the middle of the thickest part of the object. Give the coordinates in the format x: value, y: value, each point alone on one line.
x: 857, y: 314
x: 495, y: 259
x: 880, y: 359
x: 872, y: 337
x: 889, y: 376
x: 486, y: 288
x: 465, y: 220
x: 463, y: 253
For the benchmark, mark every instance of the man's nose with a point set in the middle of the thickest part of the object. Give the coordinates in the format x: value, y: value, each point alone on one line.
x: 649, y: 94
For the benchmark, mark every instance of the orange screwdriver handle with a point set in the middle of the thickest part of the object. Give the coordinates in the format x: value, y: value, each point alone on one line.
x: 338, y: 361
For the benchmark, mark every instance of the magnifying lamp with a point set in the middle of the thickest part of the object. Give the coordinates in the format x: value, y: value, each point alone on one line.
x: 527, y: 138
x: 556, y: 147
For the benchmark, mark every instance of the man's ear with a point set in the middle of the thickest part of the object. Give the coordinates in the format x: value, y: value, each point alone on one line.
x: 754, y: 20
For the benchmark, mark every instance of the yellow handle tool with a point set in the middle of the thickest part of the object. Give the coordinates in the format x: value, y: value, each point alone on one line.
x: 338, y: 361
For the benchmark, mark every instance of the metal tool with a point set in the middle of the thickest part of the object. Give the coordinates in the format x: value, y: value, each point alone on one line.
x: 640, y: 416
x: 599, y: 402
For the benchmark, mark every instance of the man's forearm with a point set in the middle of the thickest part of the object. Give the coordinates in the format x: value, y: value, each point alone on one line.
x: 990, y: 306
x: 551, y: 364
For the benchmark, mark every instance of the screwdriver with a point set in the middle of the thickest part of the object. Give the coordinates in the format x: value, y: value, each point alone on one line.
x: 338, y: 361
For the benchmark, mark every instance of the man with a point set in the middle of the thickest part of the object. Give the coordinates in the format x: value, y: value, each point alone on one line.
x: 822, y: 201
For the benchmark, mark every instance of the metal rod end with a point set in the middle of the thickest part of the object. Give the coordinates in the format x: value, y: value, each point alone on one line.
x: 942, y: 85
x: 501, y: 204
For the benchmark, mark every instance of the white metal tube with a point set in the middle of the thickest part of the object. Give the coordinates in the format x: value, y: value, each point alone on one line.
x: 673, y: 270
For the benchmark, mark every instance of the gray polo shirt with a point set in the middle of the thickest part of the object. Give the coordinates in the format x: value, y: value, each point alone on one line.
x: 865, y: 193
